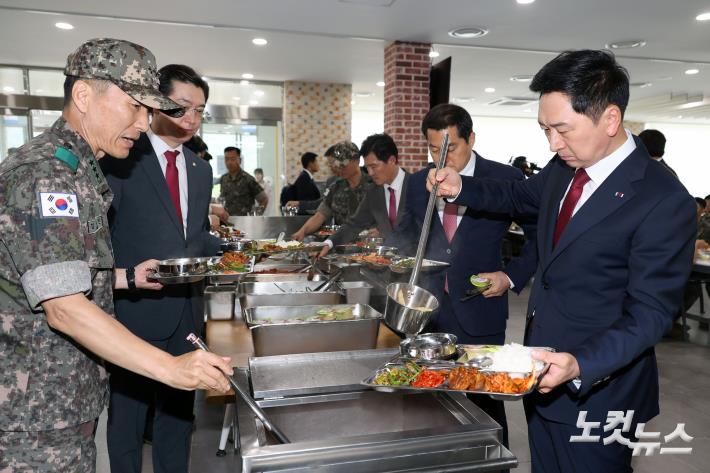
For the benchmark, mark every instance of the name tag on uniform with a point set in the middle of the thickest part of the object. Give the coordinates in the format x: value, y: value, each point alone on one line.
x: 56, y: 204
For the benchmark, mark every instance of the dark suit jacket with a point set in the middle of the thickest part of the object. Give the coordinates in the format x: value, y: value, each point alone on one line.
x: 610, y: 288
x: 304, y: 188
x: 475, y: 248
x: 372, y: 212
x: 144, y: 225
x: 665, y: 164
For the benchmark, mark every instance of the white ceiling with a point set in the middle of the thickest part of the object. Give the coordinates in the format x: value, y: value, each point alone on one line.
x: 343, y: 41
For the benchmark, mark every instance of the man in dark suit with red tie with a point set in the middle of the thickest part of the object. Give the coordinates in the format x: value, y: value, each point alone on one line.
x: 160, y: 208
x: 615, y: 245
x: 471, y: 241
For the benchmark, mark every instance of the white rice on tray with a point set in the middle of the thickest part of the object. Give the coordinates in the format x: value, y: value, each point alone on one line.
x: 513, y: 358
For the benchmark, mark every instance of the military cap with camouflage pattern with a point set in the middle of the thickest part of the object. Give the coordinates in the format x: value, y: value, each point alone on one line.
x: 129, y: 66
x: 345, y: 151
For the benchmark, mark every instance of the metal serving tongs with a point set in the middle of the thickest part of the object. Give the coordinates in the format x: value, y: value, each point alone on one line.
x: 198, y: 343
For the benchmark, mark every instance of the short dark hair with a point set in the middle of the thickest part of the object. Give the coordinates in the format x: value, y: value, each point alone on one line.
x: 258, y: 170
x: 381, y: 145
x: 180, y: 73
x: 307, y: 158
x: 445, y: 115
x: 701, y: 202
x: 233, y: 148
x: 654, y: 141
x: 330, y: 151
x: 97, y: 84
x: 592, y: 79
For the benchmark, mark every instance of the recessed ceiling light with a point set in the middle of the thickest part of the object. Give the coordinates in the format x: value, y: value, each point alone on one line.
x: 692, y: 72
x: 679, y: 116
x: 641, y: 85
x: 524, y: 2
x: 244, y: 82
x: 489, y: 90
x: 664, y: 78
x: 260, y: 41
x: 380, y: 84
x: 64, y: 26
x: 464, y: 99
x: 468, y: 33
x: 259, y: 93
x: 433, y: 54
x: 363, y: 94
x: 236, y: 98
x: 7, y: 88
x: 693, y: 104
x: 39, y: 91
x: 527, y: 110
x: 352, y: 102
x: 632, y: 43
x: 247, y: 75
x: 703, y: 17
x: 522, y: 78
x: 253, y: 102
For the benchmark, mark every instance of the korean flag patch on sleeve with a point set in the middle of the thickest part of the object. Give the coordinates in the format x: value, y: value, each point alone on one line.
x: 57, y: 204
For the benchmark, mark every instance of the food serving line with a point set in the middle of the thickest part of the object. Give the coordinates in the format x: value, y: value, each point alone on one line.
x: 322, y: 382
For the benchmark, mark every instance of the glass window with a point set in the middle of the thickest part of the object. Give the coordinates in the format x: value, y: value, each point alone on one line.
x: 11, y: 81
x: 47, y: 83
x: 13, y: 133
x: 43, y: 119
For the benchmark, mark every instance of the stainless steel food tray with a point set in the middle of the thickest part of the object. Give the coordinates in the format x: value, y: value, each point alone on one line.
x: 447, y: 366
x: 314, y: 373
x: 359, y: 333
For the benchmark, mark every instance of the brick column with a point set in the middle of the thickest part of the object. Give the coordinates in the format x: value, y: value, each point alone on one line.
x: 407, y: 100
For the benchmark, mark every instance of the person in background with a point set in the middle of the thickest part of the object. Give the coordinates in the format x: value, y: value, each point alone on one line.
x: 160, y: 207
x: 218, y: 214
x: 343, y: 197
x: 521, y: 162
x: 58, y: 271
x: 615, y: 245
x: 237, y: 188
x: 470, y: 241
x: 304, y: 188
x: 655, y: 143
x: 309, y: 207
x: 384, y: 203
x: 265, y: 183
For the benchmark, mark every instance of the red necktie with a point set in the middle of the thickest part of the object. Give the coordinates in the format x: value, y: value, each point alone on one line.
x: 575, y: 192
x: 451, y: 215
x: 171, y: 177
x: 393, y: 208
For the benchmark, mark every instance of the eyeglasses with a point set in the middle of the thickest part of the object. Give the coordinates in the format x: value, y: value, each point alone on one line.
x: 198, y: 112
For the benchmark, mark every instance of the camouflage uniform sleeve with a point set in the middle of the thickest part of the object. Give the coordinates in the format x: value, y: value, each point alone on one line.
x: 47, y: 251
x: 325, y: 205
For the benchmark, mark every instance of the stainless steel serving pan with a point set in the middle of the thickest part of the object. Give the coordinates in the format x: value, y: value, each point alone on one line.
x: 183, y: 266
x: 275, y: 331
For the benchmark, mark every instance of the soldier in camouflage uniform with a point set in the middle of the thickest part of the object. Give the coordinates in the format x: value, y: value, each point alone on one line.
x: 343, y: 197
x: 56, y: 269
x: 238, y: 189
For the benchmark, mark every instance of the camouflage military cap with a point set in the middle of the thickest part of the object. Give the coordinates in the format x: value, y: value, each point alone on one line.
x: 345, y: 151
x: 128, y: 65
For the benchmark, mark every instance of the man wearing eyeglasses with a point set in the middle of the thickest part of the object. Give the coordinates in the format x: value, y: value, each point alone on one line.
x: 160, y: 208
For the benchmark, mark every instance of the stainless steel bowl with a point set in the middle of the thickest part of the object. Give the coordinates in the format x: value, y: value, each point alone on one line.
x: 384, y: 250
x: 409, y: 308
x: 241, y: 244
x: 183, y: 266
x: 372, y: 242
x: 430, y: 346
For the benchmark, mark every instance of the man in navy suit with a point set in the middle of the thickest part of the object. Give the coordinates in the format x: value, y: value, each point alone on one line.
x: 160, y: 208
x: 470, y: 240
x: 615, y: 245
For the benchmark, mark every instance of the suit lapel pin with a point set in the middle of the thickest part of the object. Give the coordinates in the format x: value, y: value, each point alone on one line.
x: 619, y: 195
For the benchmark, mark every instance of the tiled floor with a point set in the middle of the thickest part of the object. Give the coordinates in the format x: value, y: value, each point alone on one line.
x: 685, y: 384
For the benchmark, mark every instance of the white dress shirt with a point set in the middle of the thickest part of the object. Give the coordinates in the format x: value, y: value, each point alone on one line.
x: 160, y: 147
x: 397, y: 185
x: 599, y: 171
x: 468, y: 170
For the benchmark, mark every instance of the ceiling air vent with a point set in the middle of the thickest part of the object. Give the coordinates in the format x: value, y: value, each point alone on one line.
x: 512, y: 101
